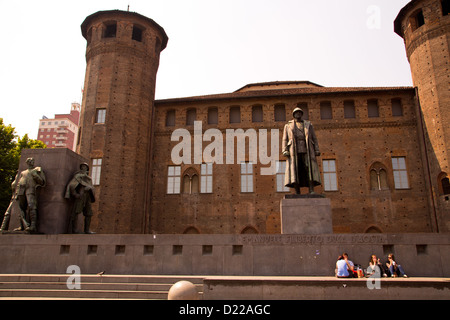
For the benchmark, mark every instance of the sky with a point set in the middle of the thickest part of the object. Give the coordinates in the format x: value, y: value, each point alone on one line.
x: 215, y: 46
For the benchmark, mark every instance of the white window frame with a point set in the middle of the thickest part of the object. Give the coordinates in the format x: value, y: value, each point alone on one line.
x: 281, y: 172
x: 96, y: 171
x: 206, y: 183
x: 173, y: 179
x: 246, y: 177
x: 329, y: 175
x: 100, y: 115
x: 400, y: 172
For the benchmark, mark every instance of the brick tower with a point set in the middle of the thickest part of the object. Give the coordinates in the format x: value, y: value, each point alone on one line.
x: 425, y: 26
x: 122, y: 58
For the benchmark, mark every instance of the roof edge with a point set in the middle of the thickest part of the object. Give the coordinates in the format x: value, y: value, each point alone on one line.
x: 281, y: 92
x: 270, y: 83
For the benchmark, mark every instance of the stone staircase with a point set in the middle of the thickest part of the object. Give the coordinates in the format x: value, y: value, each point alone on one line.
x: 54, y: 286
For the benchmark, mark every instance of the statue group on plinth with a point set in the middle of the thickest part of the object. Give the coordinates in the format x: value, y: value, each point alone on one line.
x: 79, y: 194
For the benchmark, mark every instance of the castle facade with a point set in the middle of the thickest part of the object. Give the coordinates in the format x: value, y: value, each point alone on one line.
x: 384, y: 150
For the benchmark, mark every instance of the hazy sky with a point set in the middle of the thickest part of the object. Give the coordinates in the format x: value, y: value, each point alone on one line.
x: 215, y: 46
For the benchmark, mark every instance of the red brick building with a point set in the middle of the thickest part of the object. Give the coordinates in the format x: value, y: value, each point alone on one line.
x: 62, y: 130
x: 384, y: 162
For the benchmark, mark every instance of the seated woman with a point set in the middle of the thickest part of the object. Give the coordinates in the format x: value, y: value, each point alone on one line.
x: 375, y: 267
x: 394, y: 268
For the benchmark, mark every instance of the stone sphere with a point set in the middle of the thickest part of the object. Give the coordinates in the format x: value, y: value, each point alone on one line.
x: 183, y: 290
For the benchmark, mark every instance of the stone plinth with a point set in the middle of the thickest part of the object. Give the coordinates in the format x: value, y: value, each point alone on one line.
x: 305, y: 215
x: 58, y: 165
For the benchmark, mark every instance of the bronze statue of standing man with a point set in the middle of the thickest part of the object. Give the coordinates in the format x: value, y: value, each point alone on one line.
x: 80, y: 189
x: 26, y: 184
x: 301, y: 148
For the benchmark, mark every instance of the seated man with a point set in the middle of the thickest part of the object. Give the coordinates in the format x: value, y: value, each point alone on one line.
x: 344, y: 267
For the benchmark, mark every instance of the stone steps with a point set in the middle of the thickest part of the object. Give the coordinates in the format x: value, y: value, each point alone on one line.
x: 43, y: 286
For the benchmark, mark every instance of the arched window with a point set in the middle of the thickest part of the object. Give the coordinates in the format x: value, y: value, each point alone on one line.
x: 249, y: 230
x: 191, y: 230
x: 373, y: 229
x: 378, y: 177
x: 190, y: 181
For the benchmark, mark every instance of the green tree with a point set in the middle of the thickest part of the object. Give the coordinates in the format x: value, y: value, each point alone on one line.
x: 11, y: 146
x: 27, y: 143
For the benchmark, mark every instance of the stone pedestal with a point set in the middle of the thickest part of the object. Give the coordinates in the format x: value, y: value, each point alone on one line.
x: 53, y: 212
x: 303, y: 214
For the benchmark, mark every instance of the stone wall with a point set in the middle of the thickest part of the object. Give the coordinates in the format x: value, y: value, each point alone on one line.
x: 247, y: 255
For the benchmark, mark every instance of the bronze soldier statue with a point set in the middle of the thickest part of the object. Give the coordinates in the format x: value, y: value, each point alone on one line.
x: 80, y: 188
x: 301, y: 148
x: 24, y: 191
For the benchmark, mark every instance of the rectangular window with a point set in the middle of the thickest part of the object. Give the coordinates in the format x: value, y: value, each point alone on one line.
x: 191, y: 116
x: 417, y: 20
x: 280, y: 112
x: 445, y: 5
x: 213, y: 115
x: 372, y: 108
x: 246, y: 177
x: 329, y: 175
x: 281, y: 170
x: 257, y: 113
x: 235, y: 114
x: 349, y: 109
x: 100, y: 116
x: 400, y: 173
x: 305, y: 108
x: 170, y: 118
x: 206, y: 180
x: 110, y: 30
x: 397, y: 108
x: 325, y: 110
x: 96, y: 171
x: 173, y: 180
x: 137, y: 33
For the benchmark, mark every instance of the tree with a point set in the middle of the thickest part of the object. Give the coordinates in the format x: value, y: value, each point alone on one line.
x: 11, y: 146
x: 27, y: 143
